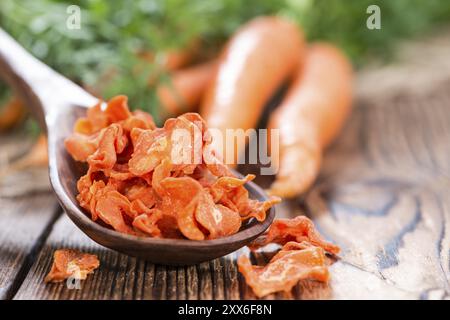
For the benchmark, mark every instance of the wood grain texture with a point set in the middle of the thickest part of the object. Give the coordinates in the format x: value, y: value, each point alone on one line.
x: 123, y: 277
x: 384, y: 197
x: 24, y: 221
x: 23, y: 226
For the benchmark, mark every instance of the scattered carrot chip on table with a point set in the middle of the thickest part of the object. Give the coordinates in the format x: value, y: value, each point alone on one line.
x: 301, y: 257
x: 156, y: 182
x: 298, y: 229
x: 71, y: 263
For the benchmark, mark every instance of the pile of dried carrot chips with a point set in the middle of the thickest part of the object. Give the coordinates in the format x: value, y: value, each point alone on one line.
x: 157, y: 182
x: 168, y: 182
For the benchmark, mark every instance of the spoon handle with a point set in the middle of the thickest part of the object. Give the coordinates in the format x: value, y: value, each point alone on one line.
x: 42, y: 89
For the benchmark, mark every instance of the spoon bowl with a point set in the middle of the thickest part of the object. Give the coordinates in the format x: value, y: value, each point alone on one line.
x: 65, y: 172
x: 57, y: 103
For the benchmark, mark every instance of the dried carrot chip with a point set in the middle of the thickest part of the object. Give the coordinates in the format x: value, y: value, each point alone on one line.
x: 112, y: 141
x: 256, y: 209
x: 161, y: 172
x: 81, y: 146
x: 212, y: 159
x: 223, y: 185
x: 97, y: 118
x: 231, y: 193
x: 71, y: 263
x: 110, y: 207
x: 83, y: 126
x: 146, y: 118
x: 219, y: 220
x: 284, y: 270
x: 298, y: 229
x: 186, y: 140
x: 140, y: 120
x: 183, y: 195
x: 141, y: 191
x: 169, y: 227
x: 150, y: 148
x: 119, y: 172
x: 147, y: 222
x: 117, y: 109
x: 301, y: 257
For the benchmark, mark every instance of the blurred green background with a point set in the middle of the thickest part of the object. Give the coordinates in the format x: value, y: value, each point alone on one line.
x: 113, y: 32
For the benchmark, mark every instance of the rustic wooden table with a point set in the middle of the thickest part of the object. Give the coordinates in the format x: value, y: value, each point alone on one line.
x: 383, y: 195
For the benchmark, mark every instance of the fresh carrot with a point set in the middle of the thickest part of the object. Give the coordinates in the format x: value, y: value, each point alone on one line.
x: 185, y: 88
x: 312, y: 114
x: 11, y: 113
x: 253, y: 65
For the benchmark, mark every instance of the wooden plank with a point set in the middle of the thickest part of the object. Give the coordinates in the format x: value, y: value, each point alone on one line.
x: 24, y: 224
x: 27, y: 211
x: 123, y: 277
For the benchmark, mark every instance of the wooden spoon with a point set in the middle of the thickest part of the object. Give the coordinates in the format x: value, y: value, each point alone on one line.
x: 57, y: 103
